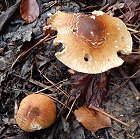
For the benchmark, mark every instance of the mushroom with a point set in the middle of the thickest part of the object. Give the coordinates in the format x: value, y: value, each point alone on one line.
x: 90, y: 41
x: 36, y: 111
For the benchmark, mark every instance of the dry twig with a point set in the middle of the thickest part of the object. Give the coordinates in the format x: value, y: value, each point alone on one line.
x: 64, y: 92
x: 25, y: 52
x: 103, y: 112
x: 70, y: 109
x: 132, y: 86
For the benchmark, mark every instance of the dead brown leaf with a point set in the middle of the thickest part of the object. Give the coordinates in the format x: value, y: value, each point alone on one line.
x: 91, y: 119
x: 89, y: 89
x: 29, y: 10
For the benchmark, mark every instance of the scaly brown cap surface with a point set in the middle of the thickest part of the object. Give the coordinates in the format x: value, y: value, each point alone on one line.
x: 91, y: 42
x: 36, y: 111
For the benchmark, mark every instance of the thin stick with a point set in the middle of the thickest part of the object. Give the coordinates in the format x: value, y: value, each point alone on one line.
x: 38, y: 83
x: 103, y: 112
x: 25, y: 52
x: 133, y: 30
x: 15, y: 108
x: 131, y: 25
x: 123, y: 84
x: 58, y: 101
x: 132, y: 86
x: 65, y: 93
x: 48, y: 87
x: 106, y: 6
x: 136, y: 37
x: 70, y: 109
x: 129, y: 77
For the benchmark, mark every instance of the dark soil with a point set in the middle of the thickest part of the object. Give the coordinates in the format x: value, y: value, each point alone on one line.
x: 40, y: 69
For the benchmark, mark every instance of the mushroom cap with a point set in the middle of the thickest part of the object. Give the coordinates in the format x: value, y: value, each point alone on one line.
x: 36, y: 111
x: 91, y: 42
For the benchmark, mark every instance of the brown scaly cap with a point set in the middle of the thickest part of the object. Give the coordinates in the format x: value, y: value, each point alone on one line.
x: 91, y: 42
x: 36, y: 111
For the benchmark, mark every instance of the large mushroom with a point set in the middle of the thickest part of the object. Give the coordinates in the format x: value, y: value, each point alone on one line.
x: 91, y: 41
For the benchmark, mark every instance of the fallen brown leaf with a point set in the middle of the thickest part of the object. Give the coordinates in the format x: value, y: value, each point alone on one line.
x: 91, y: 119
x: 29, y: 10
x: 89, y: 89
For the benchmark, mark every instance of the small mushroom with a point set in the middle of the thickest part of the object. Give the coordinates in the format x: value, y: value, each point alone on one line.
x: 90, y: 42
x: 36, y: 111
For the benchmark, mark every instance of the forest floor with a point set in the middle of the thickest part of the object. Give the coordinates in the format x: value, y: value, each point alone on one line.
x: 39, y: 69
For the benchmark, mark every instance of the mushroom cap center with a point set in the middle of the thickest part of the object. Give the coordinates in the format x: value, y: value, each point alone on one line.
x: 90, y: 30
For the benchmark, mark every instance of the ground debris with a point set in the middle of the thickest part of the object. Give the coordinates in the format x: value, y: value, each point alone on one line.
x: 6, y: 15
x: 91, y: 89
x: 39, y: 71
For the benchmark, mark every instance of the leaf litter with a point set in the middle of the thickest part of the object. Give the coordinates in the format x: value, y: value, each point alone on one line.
x: 29, y: 10
x: 91, y: 119
x: 86, y: 89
